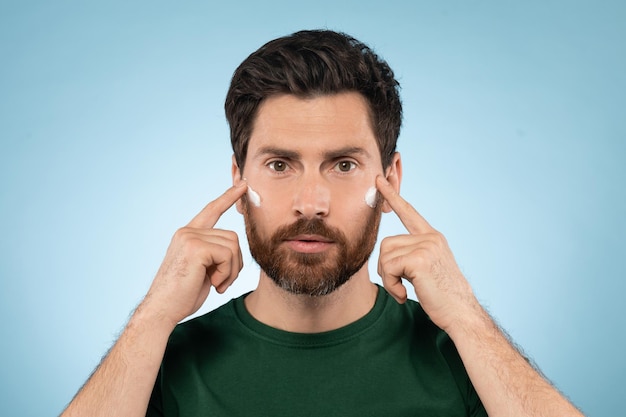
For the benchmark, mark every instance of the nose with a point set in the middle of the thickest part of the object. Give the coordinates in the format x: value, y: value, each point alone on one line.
x: 311, y: 198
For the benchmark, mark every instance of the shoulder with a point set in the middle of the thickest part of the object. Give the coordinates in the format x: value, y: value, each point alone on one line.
x: 433, y: 352
x: 204, y: 327
x: 409, y: 314
x: 424, y: 334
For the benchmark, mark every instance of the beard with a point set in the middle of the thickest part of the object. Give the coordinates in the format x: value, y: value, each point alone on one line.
x: 312, y: 274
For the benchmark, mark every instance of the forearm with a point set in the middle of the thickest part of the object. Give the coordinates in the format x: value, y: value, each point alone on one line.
x: 122, y: 384
x: 505, y: 381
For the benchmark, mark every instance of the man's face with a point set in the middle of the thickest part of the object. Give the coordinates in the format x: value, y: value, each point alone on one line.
x: 312, y: 162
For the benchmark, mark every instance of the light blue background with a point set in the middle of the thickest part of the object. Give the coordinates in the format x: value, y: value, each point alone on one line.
x: 113, y: 136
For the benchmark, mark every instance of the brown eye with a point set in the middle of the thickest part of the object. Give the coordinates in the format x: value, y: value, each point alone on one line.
x: 345, y: 166
x: 278, y: 166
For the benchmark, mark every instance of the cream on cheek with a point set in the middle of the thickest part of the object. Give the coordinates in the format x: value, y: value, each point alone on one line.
x: 254, y: 197
x: 370, y: 197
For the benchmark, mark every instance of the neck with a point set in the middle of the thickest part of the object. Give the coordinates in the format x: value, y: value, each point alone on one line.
x: 278, y: 308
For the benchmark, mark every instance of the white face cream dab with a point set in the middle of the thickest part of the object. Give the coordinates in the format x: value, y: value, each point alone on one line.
x: 370, y: 197
x: 254, y: 197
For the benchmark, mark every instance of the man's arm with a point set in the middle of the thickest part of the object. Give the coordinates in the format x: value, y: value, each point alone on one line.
x: 505, y: 381
x: 198, y: 258
x: 123, y: 382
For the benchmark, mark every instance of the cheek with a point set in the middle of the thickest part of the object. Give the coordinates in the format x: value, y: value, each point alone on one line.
x: 268, y: 199
x: 370, y: 197
x: 349, y: 210
x: 359, y: 197
x: 267, y: 207
x: 253, y: 197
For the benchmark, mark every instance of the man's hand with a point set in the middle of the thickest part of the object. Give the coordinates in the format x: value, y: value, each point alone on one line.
x: 504, y: 380
x: 424, y: 259
x: 198, y: 257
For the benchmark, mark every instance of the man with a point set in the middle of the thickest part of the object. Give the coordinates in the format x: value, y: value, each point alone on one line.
x: 314, y: 120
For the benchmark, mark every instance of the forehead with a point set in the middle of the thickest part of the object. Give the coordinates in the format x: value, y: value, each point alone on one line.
x: 322, y: 122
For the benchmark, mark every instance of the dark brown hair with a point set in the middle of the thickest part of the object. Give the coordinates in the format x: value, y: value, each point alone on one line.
x: 309, y: 64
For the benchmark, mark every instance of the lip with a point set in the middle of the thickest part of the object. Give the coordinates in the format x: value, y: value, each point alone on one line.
x: 310, y: 238
x: 309, y: 243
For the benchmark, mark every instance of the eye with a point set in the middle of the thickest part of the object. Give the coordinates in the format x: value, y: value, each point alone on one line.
x: 278, y: 166
x: 345, y: 166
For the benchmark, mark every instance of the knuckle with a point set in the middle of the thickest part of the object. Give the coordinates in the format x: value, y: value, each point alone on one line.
x: 394, y: 265
x: 438, y: 238
x: 226, y: 236
x: 180, y: 234
x: 385, y: 243
x: 420, y: 259
x: 433, y: 243
x: 383, y: 258
x: 192, y: 245
x: 390, y: 243
x: 233, y: 236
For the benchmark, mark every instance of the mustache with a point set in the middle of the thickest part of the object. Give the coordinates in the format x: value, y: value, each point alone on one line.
x: 308, y: 227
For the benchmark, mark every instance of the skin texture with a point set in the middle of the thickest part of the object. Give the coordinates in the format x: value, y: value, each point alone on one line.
x: 297, y: 155
x: 313, y: 159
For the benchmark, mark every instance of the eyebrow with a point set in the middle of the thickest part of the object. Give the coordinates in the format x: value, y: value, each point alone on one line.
x: 279, y: 152
x: 347, y: 151
x: 329, y: 155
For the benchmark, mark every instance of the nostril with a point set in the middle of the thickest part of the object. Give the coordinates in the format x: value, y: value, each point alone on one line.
x: 311, y: 200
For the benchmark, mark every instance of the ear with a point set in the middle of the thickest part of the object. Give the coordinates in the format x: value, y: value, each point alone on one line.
x: 393, y: 174
x: 236, y: 174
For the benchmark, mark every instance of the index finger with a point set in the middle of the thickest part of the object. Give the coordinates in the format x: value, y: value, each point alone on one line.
x: 410, y: 218
x: 211, y: 213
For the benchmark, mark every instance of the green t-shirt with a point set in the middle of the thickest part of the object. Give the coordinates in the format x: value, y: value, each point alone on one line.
x: 392, y: 362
